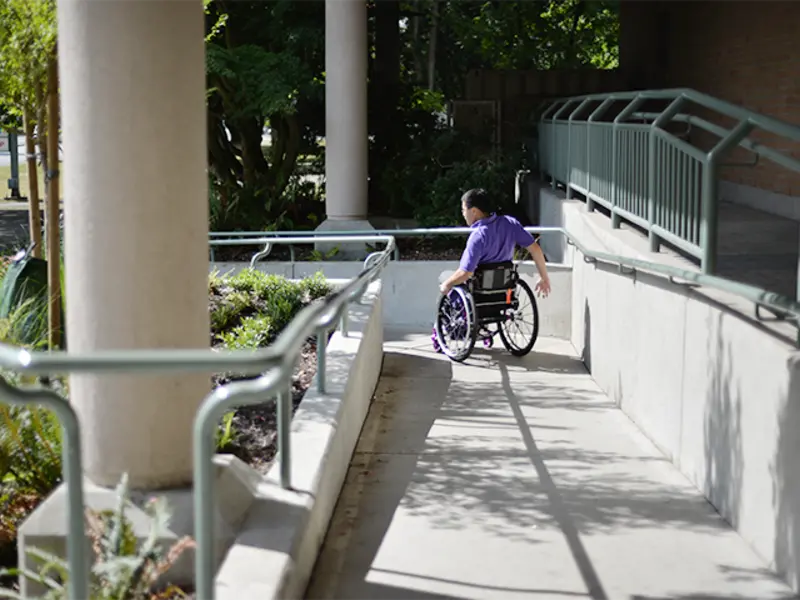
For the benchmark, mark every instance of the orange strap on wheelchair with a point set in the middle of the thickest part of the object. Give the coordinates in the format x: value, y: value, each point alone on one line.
x: 508, y: 296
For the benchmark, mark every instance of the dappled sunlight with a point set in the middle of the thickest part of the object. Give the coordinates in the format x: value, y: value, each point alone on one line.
x: 502, y: 461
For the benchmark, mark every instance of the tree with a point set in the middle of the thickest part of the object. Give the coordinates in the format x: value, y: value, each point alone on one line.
x: 265, y: 68
x: 439, y: 42
x: 454, y: 36
x: 27, y: 42
x: 29, y: 91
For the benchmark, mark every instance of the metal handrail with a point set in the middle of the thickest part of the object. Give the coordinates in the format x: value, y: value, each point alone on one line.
x: 298, y: 237
x: 771, y: 124
x: 681, y: 207
x: 758, y: 296
x: 276, y: 362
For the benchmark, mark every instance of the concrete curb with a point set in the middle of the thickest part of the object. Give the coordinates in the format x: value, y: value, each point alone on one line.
x: 275, y: 550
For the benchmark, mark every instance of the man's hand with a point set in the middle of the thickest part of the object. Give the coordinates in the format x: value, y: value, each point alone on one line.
x: 457, y: 278
x: 543, y: 287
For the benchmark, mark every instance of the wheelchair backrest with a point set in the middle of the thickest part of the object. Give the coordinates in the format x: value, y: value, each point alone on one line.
x: 495, y: 276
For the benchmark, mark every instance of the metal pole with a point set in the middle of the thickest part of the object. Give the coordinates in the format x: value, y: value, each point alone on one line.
x: 596, y: 113
x: 568, y: 181
x: 556, y: 115
x: 708, y: 227
x: 322, y: 336
x: 284, y: 434
x: 13, y: 183
x: 659, y: 123
x: 343, y: 324
x: 615, y: 175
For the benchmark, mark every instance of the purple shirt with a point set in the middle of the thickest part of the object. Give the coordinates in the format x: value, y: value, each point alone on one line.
x: 493, y: 241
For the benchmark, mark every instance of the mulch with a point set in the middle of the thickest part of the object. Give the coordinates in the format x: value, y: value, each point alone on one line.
x: 256, y: 426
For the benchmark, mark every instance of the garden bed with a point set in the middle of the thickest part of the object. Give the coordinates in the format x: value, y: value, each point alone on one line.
x: 248, y: 311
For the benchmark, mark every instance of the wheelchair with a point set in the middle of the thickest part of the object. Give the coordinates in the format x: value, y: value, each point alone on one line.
x: 494, y: 301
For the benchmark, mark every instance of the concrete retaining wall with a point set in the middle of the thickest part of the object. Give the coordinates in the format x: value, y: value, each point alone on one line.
x: 411, y: 289
x: 276, y: 548
x: 715, y: 389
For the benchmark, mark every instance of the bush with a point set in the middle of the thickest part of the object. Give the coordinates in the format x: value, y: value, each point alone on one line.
x: 247, y: 312
x: 427, y: 180
x: 124, y: 569
x: 250, y: 309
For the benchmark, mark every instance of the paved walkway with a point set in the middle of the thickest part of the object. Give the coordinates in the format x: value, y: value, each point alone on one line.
x: 517, y: 478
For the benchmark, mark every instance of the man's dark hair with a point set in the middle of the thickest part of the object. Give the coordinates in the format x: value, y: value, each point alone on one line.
x: 478, y: 198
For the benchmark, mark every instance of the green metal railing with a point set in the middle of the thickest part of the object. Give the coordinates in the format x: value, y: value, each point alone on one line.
x: 644, y: 174
x: 274, y: 364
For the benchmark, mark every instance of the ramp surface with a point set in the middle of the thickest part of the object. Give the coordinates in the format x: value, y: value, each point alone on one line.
x: 518, y: 478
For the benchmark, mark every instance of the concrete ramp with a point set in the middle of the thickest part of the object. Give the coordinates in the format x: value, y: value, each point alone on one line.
x: 518, y: 478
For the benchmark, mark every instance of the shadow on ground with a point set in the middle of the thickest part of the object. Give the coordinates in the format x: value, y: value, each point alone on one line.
x: 446, y: 457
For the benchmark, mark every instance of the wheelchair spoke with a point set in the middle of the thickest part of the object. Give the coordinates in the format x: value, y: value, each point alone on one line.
x: 456, y: 325
x: 520, y: 329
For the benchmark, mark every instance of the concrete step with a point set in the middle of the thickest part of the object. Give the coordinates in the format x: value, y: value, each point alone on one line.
x: 518, y: 478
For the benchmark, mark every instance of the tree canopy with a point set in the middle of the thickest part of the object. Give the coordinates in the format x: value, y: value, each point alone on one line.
x: 266, y: 73
x: 27, y: 41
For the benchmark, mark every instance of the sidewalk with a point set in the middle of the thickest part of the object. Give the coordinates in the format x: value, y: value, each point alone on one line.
x: 518, y: 478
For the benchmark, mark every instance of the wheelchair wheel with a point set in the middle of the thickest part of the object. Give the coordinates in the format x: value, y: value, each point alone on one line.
x: 521, y: 327
x: 456, y: 327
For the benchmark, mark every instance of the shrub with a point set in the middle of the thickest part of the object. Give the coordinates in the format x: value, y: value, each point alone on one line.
x: 30, y: 449
x: 124, y: 569
x: 251, y: 333
x: 251, y: 308
x: 443, y: 164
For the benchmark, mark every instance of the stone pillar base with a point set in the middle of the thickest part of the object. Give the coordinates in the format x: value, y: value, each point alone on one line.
x: 46, y: 527
x: 344, y: 251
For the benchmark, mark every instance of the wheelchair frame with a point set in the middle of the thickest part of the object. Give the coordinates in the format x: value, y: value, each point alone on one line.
x: 490, y: 297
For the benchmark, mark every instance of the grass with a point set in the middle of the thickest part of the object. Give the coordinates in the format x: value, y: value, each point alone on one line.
x: 24, y: 189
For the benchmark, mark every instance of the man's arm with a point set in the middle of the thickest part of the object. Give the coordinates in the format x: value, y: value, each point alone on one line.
x: 457, y: 278
x: 467, y: 265
x: 538, y: 257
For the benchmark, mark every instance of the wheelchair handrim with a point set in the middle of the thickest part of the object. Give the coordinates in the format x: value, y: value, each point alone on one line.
x: 455, y: 324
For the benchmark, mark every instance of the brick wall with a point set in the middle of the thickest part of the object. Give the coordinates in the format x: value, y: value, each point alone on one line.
x: 745, y: 52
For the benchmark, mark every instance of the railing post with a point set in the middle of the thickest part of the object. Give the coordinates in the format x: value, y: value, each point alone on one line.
x: 664, y: 118
x: 596, y: 113
x: 72, y: 466
x: 542, y: 119
x: 708, y: 198
x: 344, y: 323
x: 626, y: 112
x: 284, y: 419
x: 553, y: 133
x: 572, y: 115
x: 321, y: 342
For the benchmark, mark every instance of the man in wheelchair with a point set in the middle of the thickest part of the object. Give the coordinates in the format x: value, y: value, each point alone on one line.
x: 494, y: 293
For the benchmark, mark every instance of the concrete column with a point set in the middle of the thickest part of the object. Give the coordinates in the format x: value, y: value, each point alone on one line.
x: 346, y: 109
x: 136, y: 225
x: 345, y: 124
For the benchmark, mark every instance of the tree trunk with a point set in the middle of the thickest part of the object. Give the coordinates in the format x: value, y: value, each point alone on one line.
x: 415, y: 45
x: 41, y: 133
x: 52, y: 212
x: 34, y: 205
x: 432, y: 48
x: 385, y: 97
